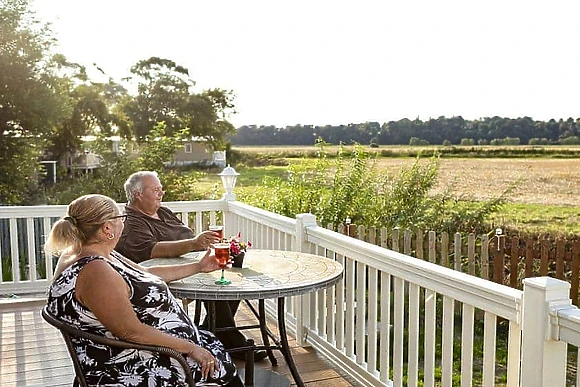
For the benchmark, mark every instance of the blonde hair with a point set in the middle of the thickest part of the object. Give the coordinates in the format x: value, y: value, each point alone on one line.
x: 84, y: 216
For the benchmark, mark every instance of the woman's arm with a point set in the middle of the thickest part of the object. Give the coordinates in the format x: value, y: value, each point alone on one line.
x: 168, y: 273
x: 101, y: 289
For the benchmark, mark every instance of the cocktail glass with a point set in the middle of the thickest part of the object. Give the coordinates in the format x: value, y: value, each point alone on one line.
x: 222, y: 254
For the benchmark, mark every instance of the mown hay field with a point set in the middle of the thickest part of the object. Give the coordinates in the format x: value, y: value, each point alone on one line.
x: 537, y: 181
x: 544, y: 181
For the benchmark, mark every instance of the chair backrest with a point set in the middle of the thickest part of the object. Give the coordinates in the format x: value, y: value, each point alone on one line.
x: 69, y: 331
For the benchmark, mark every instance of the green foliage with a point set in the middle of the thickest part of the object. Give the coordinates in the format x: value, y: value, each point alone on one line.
x: 165, y: 94
x: 117, y: 166
x: 416, y: 141
x: 334, y: 189
x: 505, y: 141
x: 467, y: 141
x: 572, y: 140
x: 434, y: 130
x: 159, y: 148
x: 181, y: 187
x: 28, y: 102
x: 538, y: 141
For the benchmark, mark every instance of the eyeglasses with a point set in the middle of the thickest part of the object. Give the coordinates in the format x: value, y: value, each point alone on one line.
x: 122, y: 217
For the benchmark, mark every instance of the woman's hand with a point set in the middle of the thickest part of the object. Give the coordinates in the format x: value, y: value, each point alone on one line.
x: 205, y: 359
x: 208, y: 262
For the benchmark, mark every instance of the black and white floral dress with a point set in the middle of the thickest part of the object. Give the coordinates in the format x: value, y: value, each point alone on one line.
x: 154, y: 305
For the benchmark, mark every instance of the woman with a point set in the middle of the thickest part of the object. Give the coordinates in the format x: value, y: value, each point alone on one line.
x: 99, y: 291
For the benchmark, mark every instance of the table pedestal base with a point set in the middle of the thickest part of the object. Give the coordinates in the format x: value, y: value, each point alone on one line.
x: 279, y: 343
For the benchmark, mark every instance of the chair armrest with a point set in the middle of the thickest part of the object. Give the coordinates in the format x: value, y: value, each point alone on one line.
x: 68, y: 330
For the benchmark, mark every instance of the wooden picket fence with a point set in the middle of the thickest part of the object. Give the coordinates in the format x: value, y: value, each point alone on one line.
x: 503, y: 259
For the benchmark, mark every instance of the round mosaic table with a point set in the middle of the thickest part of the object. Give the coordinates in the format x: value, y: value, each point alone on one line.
x: 265, y: 274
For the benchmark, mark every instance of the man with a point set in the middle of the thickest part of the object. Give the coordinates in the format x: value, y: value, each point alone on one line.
x: 153, y: 231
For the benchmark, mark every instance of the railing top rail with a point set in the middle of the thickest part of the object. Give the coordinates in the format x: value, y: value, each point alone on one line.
x: 197, y: 205
x: 34, y: 211
x: 279, y: 222
x: 59, y: 210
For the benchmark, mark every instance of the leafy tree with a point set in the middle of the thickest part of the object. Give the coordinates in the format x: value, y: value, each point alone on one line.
x: 29, y: 100
x: 89, y: 115
x: 165, y: 94
x: 572, y: 140
x: 416, y: 141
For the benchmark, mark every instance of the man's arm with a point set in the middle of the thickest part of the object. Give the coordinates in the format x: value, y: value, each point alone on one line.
x: 165, y: 249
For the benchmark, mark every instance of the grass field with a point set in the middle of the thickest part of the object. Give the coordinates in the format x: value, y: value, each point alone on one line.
x: 545, y: 199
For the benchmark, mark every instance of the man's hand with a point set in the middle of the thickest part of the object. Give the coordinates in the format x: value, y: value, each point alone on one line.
x: 206, y: 239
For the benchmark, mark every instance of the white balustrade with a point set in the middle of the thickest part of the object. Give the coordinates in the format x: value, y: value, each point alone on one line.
x: 389, y: 311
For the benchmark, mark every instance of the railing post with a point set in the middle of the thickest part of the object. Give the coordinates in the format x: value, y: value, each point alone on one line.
x: 543, y: 359
x: 228, y: 221
x: 303, y: 302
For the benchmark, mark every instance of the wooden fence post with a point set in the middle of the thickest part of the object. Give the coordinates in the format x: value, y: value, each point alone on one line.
x: 407, y: 239
x: 432, y: 247
x: 485, y: 257
x: 395, y: 239
x: 384, y: 238
x: 514, y: 261
x: 419, y: 245
x: 560, y: 257
x: 498, y: 260
x: 445, y: 249
x: 544, y: 257
x: 471, y: 254
x: 575, y: 268
x: 457, y: 251
x: 530, y: 254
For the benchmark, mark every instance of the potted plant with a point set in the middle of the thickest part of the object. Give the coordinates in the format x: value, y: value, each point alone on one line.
x: 238, y: 249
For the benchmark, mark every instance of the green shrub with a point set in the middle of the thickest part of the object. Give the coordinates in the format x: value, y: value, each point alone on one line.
x: 334, y: 189
x: 572, y: 140
x: 538, y: 141
x: 416, y: 141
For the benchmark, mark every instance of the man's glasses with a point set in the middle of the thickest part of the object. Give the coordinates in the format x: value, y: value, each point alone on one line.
x: 122, y: 217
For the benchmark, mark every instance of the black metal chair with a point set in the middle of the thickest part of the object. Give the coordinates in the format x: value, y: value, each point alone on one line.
x: 68, y: 331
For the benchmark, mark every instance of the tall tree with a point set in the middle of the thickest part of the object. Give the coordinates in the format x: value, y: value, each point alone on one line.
x: 166, y: 94
x: 29, y: 101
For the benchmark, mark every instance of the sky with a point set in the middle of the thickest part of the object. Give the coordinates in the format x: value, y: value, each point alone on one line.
x: 322, y: 62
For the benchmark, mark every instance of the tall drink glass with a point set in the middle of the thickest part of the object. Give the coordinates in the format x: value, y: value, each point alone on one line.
x: 218, y: 229
x: 222, y: 254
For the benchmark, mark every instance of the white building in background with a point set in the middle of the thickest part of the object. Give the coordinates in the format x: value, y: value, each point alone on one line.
x: 198, y: 151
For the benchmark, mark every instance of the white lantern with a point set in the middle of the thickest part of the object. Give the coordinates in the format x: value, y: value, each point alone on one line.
x: 229, y: 177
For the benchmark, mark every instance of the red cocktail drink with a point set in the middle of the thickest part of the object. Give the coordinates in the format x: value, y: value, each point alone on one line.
x: 222, y: 253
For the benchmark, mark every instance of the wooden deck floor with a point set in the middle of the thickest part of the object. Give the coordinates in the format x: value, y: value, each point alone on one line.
x: 32, y: 353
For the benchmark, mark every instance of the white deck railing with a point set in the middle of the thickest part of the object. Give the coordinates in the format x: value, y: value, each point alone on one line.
x: 382, y: 324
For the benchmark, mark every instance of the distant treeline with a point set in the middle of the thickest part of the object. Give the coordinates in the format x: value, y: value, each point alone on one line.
x: 440, y: 131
